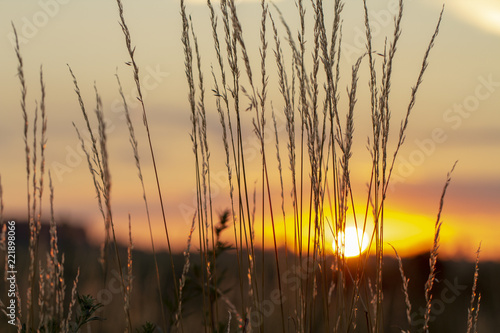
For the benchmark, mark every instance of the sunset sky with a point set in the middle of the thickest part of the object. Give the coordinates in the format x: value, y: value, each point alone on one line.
x: 456, y: 117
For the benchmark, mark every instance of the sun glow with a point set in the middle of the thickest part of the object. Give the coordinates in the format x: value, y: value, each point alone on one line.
x: 353, y: 241
x: 482, y: 13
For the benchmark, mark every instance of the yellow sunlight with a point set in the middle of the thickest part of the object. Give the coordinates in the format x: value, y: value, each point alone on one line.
x: 355, y: 242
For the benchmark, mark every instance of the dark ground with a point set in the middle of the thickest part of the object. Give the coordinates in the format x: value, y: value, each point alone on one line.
x: 451, y: 294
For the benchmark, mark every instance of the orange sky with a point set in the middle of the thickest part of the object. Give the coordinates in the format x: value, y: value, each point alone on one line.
x: 456, y: 116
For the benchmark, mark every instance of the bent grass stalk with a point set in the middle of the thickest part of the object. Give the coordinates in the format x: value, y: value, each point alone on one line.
x: 102, y: 180
x: 131, y: 52
x: 135, y: 149
x: 106, y: 192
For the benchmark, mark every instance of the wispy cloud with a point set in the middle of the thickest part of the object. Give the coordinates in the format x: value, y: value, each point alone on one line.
x: 484, y: 14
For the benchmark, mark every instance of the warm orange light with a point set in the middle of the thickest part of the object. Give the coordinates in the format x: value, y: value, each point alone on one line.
x: 354, y: 242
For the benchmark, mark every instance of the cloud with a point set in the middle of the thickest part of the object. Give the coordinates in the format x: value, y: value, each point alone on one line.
x: 484, y: 14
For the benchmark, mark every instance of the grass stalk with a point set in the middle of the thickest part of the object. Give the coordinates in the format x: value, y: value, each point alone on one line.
x: 188, y: 62
x: 135, y: 149
x: 473, y: 311
x: 133, y: 63
x: 405, y: 288
x: 434, y: 253
x: 128, y: 283
x: 222, y: 94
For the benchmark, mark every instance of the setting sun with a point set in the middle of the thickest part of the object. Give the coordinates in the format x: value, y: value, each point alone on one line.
x: 354, y: 240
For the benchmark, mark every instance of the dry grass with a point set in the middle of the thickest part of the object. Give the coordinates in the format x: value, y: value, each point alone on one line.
x: 324, y: 149
x: 332, y: 294
x: 131, y: 51
x: 473, y: 310
x: 434, y: 253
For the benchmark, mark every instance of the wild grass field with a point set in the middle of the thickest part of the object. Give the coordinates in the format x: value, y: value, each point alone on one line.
x: 296, y: 248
